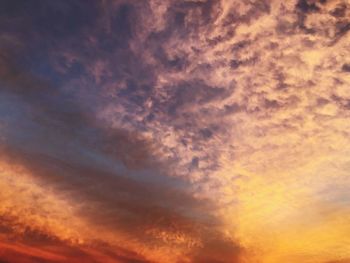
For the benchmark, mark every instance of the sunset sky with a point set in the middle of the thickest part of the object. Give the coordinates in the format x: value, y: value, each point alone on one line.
x: 175, y: 131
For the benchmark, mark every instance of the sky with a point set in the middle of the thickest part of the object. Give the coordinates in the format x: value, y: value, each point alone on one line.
x: 167, y: 131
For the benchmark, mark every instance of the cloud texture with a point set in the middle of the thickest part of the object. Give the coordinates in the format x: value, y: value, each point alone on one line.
x: 175, y: 131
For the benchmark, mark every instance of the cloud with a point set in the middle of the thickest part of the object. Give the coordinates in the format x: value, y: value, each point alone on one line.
x: 192, y: 131
x: 111, y: 177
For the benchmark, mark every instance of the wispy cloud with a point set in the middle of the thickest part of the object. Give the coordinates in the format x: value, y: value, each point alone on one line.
x: 174, y: 131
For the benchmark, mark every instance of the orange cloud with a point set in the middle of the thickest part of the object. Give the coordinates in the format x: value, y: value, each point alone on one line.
x: 175, y: 131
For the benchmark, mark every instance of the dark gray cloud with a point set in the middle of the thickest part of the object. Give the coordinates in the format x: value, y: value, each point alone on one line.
x: 55, y: 133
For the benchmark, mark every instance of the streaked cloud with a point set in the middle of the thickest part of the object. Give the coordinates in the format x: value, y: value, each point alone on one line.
x: 174, y: 131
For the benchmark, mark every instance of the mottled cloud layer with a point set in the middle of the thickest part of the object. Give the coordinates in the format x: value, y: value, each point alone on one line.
x: 174, y: 131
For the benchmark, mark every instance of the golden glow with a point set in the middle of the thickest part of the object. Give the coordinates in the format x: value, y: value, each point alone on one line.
x: 238, y: 153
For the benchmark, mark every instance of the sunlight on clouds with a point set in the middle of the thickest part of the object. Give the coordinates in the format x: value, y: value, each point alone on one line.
x: 186, y: 131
